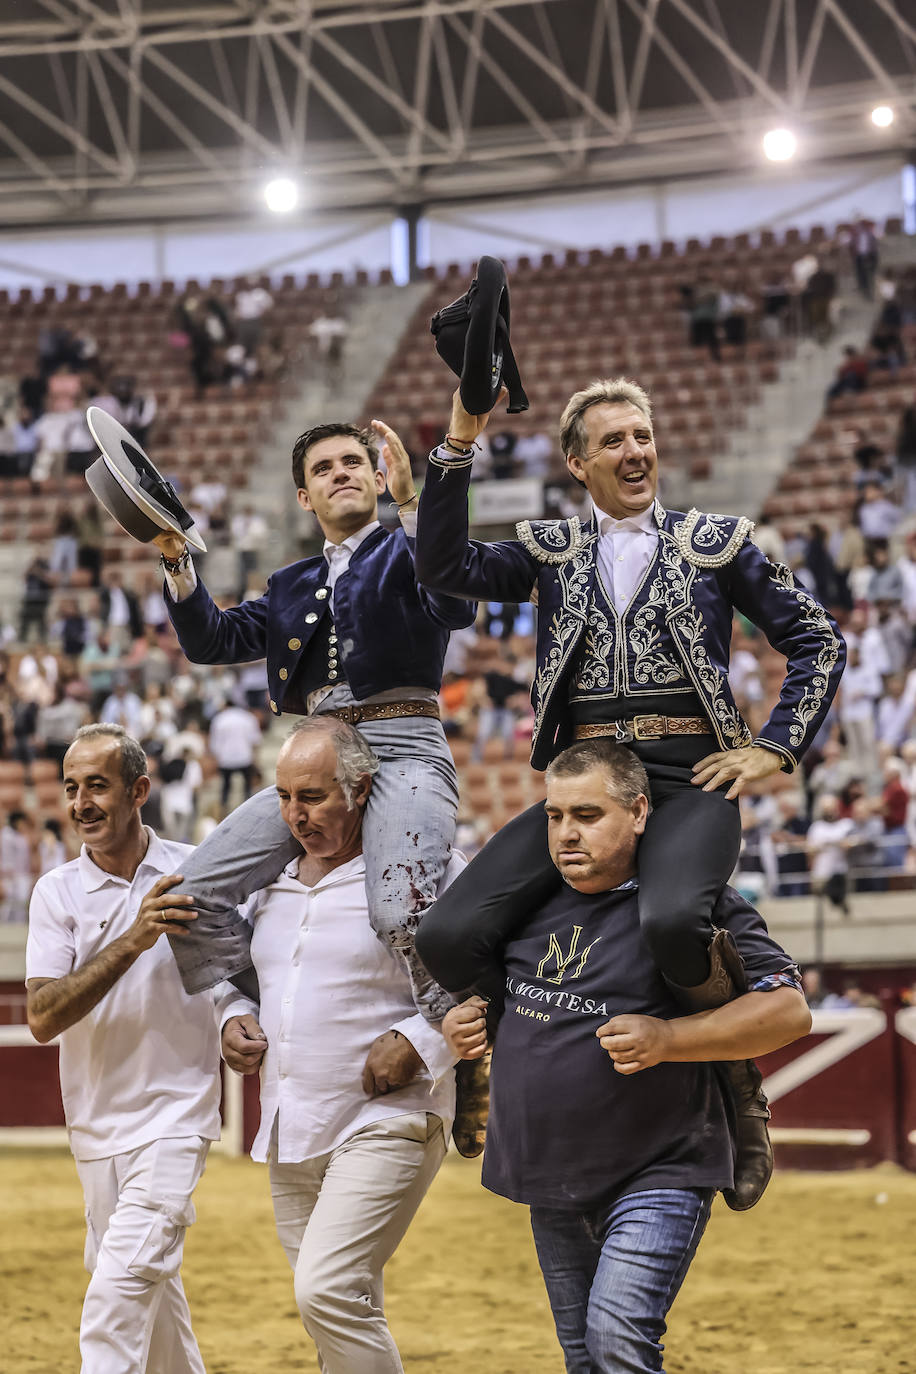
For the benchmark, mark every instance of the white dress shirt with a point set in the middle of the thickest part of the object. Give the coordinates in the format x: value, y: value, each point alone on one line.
x: 625, y: 550
x: 142, y: 1065
x: 329, y: 988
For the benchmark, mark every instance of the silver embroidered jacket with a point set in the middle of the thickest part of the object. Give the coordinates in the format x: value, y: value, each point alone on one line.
x: 706, y: 568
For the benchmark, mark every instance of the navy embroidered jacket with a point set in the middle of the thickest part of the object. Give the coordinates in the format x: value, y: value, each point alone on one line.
x: 709, y: 568
x: 392, y: 632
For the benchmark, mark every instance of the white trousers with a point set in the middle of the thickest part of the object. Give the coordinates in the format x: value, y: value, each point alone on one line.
x: 138, y: 1206
x: 340, y: 1217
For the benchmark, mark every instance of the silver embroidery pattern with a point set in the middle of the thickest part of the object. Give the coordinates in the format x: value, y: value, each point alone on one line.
x: 651, y: 665
x: 710, y: 683
x: 815, y: 619
x: 563, y: 539
x: 711, y: 541
x: 597, y: 655
x: 563, y: 631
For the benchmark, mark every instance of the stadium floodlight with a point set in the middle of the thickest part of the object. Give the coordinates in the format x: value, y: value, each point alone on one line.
x: 779, y: 145
x: 882, y: 116
x: 281, y: 195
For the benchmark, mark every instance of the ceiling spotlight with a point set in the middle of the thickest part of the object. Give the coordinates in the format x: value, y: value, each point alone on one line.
x: 779, y: 144
x: 882, y: 116
x: 281, y: 195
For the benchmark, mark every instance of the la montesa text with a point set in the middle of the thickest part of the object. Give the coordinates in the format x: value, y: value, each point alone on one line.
x: 551, y: 997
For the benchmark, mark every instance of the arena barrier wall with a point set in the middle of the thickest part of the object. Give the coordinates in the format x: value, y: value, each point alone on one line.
x: 843, y: 1097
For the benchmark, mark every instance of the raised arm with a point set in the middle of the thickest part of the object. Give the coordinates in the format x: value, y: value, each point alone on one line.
x: 446, y: 559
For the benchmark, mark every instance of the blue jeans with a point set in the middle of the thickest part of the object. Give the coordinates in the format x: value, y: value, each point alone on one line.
x: 613, y: 1272
x: 408, y: 830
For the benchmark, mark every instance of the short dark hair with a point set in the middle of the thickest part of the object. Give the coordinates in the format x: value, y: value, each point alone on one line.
x: 626, y: 777
x: 336, y: 429
x: 133, y: 760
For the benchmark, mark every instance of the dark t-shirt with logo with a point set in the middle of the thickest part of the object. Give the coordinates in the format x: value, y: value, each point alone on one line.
x: 567, y: 1130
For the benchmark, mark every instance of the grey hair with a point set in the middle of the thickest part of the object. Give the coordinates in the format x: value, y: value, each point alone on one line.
x: 613, y: 391
x: 355, y: 758
x: 134, y: 763
x: 625, y: 777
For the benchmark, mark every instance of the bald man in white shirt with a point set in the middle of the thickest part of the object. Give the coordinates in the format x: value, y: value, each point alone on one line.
x: 138, y: 1056
x: 357, y: 1087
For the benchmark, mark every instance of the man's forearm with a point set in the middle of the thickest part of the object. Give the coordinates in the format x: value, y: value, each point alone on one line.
x: 58, y: 1004
x: 751, y: 1025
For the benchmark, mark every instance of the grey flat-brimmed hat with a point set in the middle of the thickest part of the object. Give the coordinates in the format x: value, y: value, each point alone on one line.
x: 130, y: 487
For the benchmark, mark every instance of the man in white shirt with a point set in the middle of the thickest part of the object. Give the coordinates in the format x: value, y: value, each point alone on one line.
x: 357, y: 1087
x: 138, y: 1057
x: 234, y: 736
x: 829, y: 842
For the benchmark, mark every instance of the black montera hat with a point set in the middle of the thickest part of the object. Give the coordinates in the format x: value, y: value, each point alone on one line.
x: 472, y: 336
x: 131, y: 489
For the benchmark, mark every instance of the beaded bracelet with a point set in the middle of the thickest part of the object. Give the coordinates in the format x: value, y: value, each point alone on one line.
x: 176, y: 566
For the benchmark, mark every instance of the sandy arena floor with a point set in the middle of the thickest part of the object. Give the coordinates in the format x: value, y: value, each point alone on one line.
x: 820, y: 1277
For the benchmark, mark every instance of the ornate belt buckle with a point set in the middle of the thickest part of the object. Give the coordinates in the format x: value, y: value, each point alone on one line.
x: 621, y: 734
x: 643, y: 730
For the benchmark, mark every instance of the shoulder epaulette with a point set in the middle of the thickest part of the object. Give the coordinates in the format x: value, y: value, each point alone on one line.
x: 711, y: 541
x: 552, y: 541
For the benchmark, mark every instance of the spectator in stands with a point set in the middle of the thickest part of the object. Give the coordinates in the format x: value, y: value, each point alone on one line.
x: 866, y: 852
x: 769, y: 540
x: 122, y: 707
x: 38, y: 586
x: 64, y: 548
x: 182, y: 777
x: 51, y: 848
x: 497, y: 716
x: 90, y: 532
x: 329, y: 332
x: 249, y: 538
x: 136, y: 411
x: 502, y: 455
x: 820, y: 564
x: 120, y: 612
x: 209, y: 494
x: 735, y: 305
x: 57, y: 724
x: 252, y: 303
x: 235, y: 735
x: 17, y: 845
x: 205, y: 323
x: 71, y: 629
x: 790, y: 846
x: 895, y: 801
x: 906, y: 456
x: 704, y: 316
x: 886, y: 581
x: 533, y: 453
x: 878, y: 516
x: 856, y: 704
x: 776, y: 298
x: 152, y: 604
x: 158, y: 719
x: 864, y: 249
x: 896, y: 709
x: 852, y: 374
x: 829, y: 841
x: 907, y: 566
x: 818, y: 301
x: 847, y: 549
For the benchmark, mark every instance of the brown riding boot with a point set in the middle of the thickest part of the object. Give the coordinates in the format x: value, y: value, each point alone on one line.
x: 472, y: 1105
x: 754, y: 1152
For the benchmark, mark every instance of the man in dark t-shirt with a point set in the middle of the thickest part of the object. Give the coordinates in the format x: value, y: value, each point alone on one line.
x: 607, y: 1115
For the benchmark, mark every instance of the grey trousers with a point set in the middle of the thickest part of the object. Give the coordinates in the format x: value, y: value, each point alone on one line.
x: 407, y: 838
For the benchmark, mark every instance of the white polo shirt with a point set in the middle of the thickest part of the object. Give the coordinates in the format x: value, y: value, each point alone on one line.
x: 329, y: 987
x: 142, y: 1065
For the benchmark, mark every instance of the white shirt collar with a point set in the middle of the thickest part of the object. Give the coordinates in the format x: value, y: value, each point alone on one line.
x: 644, y: 522
x: 352, y: 541
x: 94, y: 877
x: 353, y: 868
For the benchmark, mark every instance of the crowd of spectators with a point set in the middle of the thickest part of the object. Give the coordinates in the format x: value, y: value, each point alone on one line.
x: 110, y: 655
